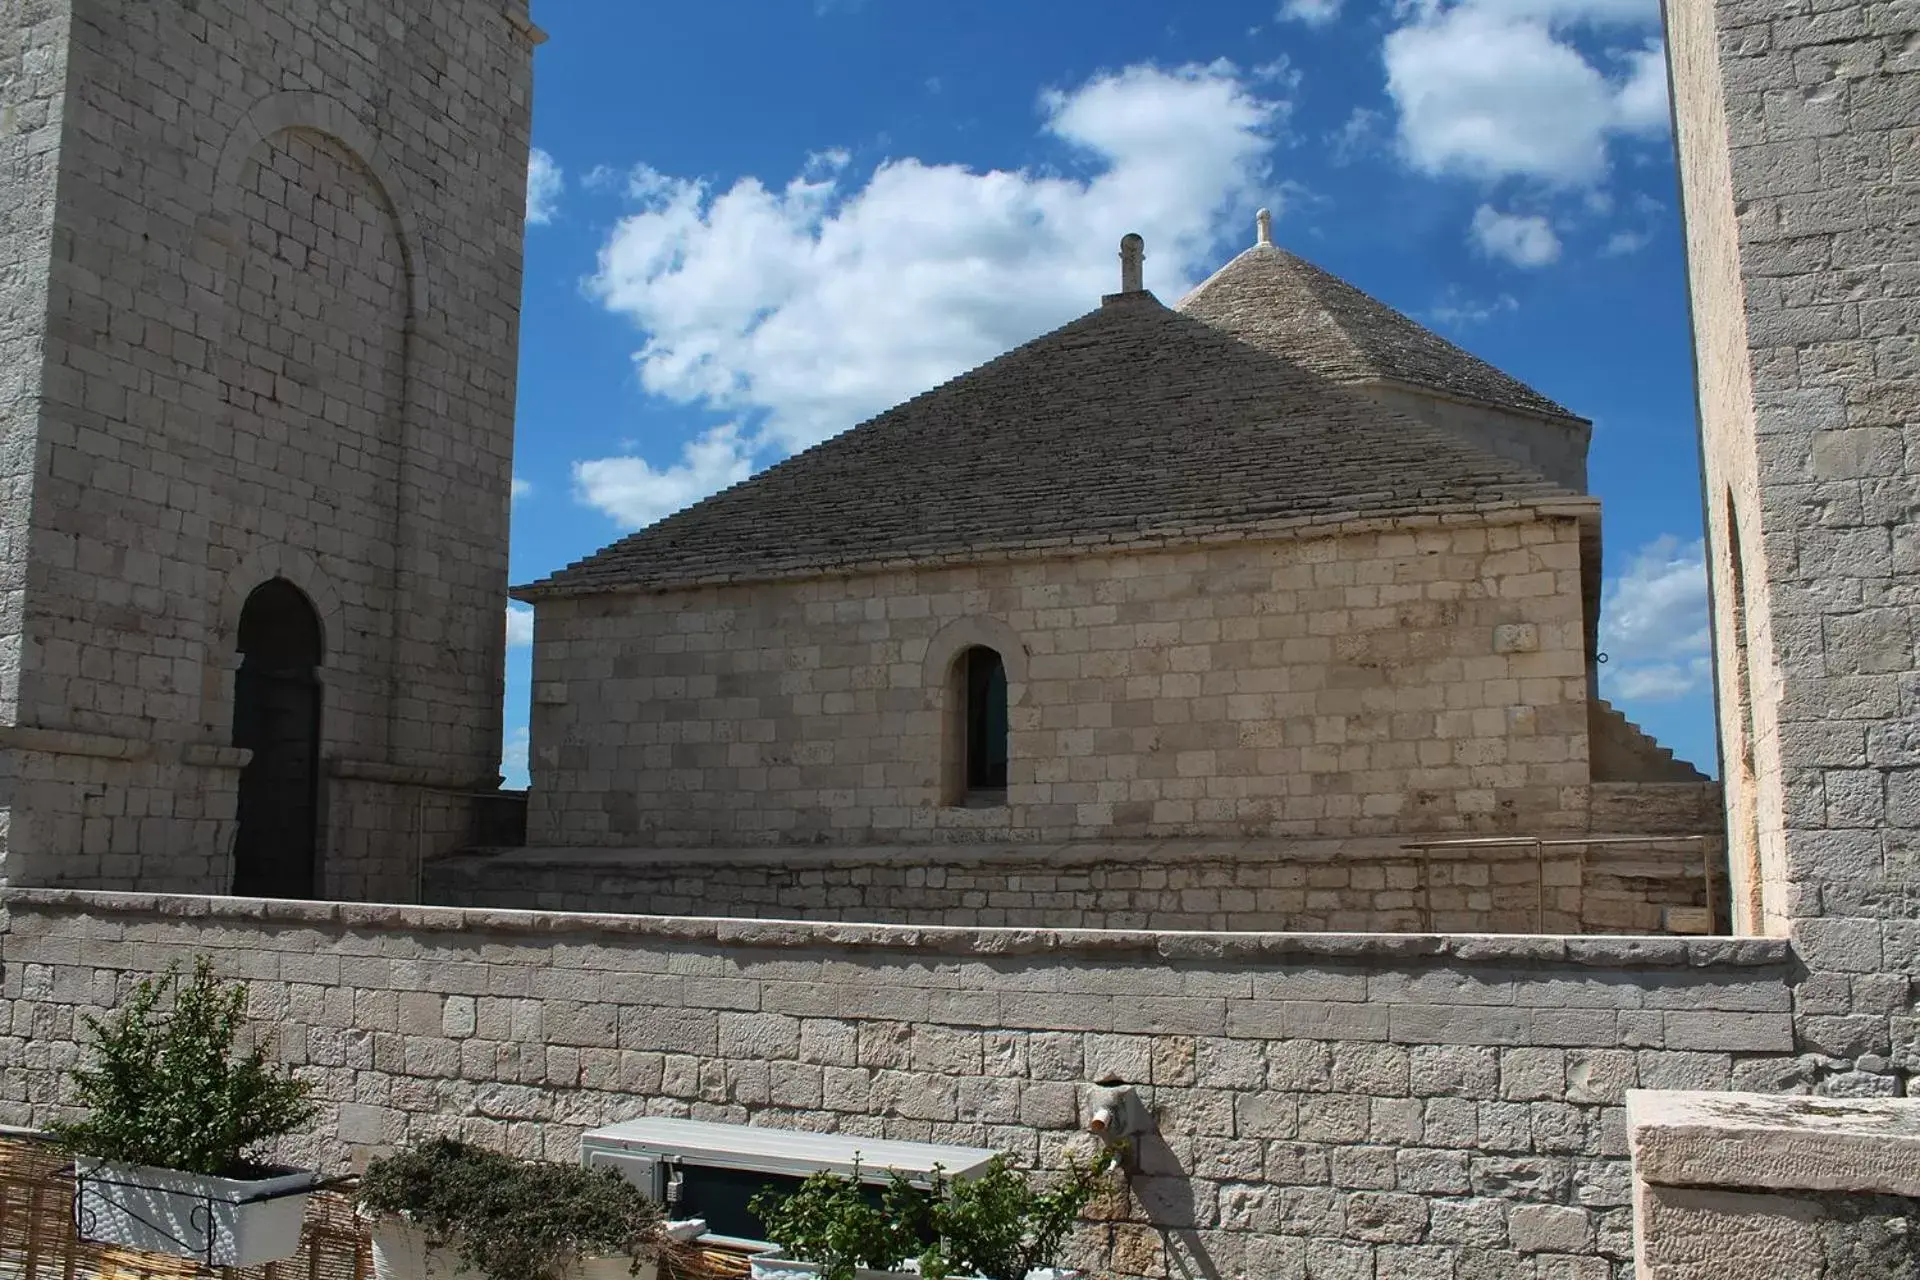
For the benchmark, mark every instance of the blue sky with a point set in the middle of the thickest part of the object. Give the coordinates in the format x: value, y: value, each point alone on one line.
x: 753, y: 224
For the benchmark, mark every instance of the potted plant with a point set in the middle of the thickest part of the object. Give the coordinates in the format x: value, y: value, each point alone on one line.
x: 838, y: 1228
x: 163, y: 1160
x: 996, y: 1225
x: 1000, y: 1225
x: 448, y: 1207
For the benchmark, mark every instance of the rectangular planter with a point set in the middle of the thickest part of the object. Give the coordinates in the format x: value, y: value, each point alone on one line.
x: 223, y: 1222
x: 777, y: 1266
x: 400, y: 1252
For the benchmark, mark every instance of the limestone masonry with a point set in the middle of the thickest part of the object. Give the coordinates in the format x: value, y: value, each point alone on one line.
x: 1190, y: 625
x: 259, y: 323
x: 1277, y: 564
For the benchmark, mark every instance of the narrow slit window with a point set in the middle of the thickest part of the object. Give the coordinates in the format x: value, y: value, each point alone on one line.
x: 986, y: 683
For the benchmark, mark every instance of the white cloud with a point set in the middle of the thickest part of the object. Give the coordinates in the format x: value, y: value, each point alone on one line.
x: 1654, y: 624
x: 1457, y: 312
x: 1621, y: 243
x: 521, y: 488
x: 808, y: 306
x: 1315, y: 13
x: 519, y: 625
x: 1659, y: 681
x: 1643, y: 104
x: 513, y: 757
x: 544, y: 184
x: 1356, y: 136
x: 1490, y: 89
x: 1524, y: 240
x: 636, y: 493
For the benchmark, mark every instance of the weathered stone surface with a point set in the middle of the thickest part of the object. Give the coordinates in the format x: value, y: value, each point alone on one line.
x: 261, y: 275
x: 1361, y: 1126
x: 1730, y: 1186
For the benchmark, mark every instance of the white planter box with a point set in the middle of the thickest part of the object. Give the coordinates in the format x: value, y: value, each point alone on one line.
x: 227, y: 1222
x: 400, y: 1252
x: 776, y: 1266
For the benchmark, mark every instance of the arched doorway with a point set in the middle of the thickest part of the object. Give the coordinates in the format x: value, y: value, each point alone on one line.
x: 276, y: 714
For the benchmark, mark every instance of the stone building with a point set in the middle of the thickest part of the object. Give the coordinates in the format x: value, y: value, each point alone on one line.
x: 1275, y: 564
x: 1444, y: 1106
x: 259, y: 290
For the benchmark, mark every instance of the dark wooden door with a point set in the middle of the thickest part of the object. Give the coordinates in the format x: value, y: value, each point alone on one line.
x: 276, y: 714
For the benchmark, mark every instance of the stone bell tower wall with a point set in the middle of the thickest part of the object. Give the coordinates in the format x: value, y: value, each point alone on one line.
x: 264, y: 265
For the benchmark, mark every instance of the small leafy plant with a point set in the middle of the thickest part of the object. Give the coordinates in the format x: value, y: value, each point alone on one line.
x: 514, y: 1219
x: 168, y: 1090
x: 999, y: 1224
x: 834, y: 1222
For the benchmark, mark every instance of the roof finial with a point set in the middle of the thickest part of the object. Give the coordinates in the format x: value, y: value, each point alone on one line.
x: 1263, y: 221
x: 1133, y: 256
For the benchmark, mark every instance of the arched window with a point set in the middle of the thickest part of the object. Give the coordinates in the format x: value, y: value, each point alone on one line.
x: 982, y: 686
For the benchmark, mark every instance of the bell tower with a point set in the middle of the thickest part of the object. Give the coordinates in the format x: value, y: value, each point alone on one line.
x: 259, y: 300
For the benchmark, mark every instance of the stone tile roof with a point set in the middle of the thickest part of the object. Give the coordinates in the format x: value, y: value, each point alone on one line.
x: 1134, y: 424
x: 1286, y: 305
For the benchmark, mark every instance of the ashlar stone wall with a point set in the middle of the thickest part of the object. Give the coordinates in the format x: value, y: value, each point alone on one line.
x: 1327, y: 1105
x: 270, y: 316
x: 1426, y: 679
x: 1795, y: 139
x: 1749, y: 1187
x: 1613, y: 884
x: 1555, y: 447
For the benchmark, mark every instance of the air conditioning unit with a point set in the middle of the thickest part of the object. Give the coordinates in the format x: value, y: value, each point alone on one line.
x: 700, y: 1169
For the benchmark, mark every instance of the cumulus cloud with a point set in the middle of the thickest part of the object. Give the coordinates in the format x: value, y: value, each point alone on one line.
x: 635, y: 493
x: 1654, y: 625
x: 519, y: 625
x: 1523, y: 240
x: 1494, y: 89
x: 1315, y: 13
x: 803, y: 307
x: 1622, y: 243
x: 544, y: 184
x: 1358, y: 135
x: 521, y: 488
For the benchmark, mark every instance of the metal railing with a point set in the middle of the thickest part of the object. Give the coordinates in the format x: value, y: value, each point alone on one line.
x: 1540, y: 845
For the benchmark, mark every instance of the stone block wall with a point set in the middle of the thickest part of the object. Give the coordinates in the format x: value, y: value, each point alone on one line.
x: 271, y: 324
x: 1747, y: 1187
x: 1795, y: 132
x: 1327, y: 1105
x: 33, y: 76
x: 1257, y: 885
x: 1556, y: 448
x: 1428, y: 680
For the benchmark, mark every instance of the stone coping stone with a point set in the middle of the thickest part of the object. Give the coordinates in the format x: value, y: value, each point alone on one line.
x: 31, y: 909
x: 1754, y: 1141
x: 1042, y: 857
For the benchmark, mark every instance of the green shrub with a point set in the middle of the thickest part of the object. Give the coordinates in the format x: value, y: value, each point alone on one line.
x: 167, y: 1089
x: 832, y: 1222
x: 513, y: 1219
x: 998, y: 1224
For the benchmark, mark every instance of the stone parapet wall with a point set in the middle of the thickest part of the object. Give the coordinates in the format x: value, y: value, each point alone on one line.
x: 1256, y: 885
x: 1328, y: 1105
x: 1749, y: 1187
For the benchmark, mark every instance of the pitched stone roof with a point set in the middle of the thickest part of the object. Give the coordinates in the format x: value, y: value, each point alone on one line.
x: 1134, y: 424
x: 1286, y: 305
